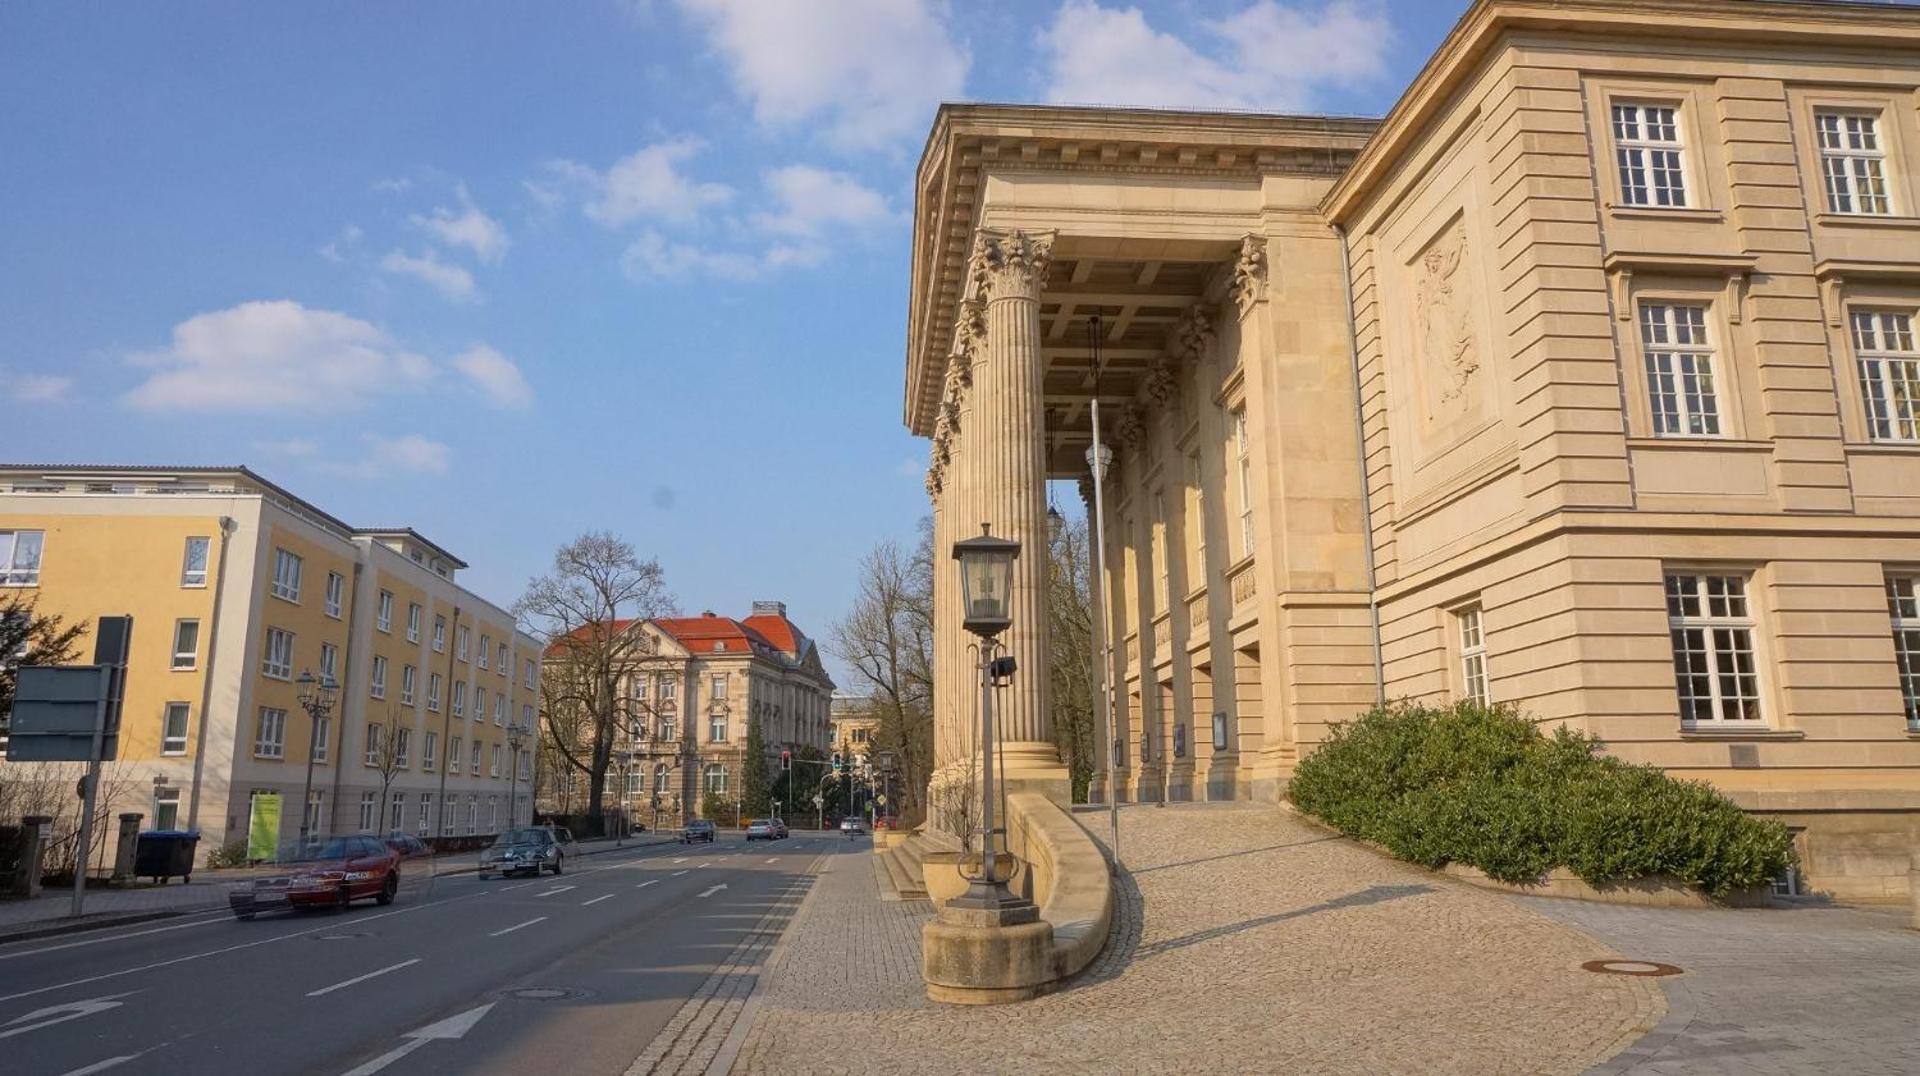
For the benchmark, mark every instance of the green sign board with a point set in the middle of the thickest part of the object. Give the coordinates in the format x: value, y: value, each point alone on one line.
x: 263, y: 830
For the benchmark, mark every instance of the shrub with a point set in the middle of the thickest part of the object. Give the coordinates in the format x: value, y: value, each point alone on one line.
x: 1482, y: 786
x: 231, y: 854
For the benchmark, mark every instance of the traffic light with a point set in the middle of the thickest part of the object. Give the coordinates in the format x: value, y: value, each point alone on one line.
x: 836, y: 762
x: 786, y: 761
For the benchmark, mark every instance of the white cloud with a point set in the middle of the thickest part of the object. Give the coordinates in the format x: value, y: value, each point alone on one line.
x: 495, y: 375
x: 654, y: 257
x: 39, y: 388
x: 1270, y: 56
x: 452, y: 281
x: 647, y: 183
x: 407, y: 454
x: 337, y: 249
x: 274, y: 355
x: 874, y: 68
x: 470, y: 228
x: 808, y: 203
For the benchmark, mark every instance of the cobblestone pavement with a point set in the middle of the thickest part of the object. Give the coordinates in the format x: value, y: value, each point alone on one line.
x: 1246, y: 941
x: 1792, y: 990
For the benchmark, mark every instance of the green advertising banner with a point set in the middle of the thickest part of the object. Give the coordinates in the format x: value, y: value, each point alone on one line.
x: 263, y: 831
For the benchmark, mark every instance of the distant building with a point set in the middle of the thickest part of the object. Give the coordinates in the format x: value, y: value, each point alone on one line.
x: 237, y: 587
x: 854, y: 725
x: 697, y: 684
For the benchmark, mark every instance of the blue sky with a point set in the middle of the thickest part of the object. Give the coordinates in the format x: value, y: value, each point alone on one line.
x: 637, y: 265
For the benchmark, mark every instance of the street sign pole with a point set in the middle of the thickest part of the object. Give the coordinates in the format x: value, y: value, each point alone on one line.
x: 113, y: 643
x: 89, y: 789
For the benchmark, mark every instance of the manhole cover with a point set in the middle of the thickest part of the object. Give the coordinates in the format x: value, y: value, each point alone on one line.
x: 543, y: 993
x: 1645, y: 968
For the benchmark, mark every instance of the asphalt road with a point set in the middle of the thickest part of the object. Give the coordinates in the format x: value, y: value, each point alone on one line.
x: 433, y: 983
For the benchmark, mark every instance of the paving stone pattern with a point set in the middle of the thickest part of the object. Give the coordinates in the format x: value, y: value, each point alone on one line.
x: 1246, y: 941
x: 1794, y: 990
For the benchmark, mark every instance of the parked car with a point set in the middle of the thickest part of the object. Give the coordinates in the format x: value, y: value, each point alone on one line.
x: 760, y: 829
x: 700, y: 829
x: 408, y: 846
x: 887, y: 821
x: 780, y: 829
x: 327, y: 872
x: 528, y: 849
x: 852, y: 825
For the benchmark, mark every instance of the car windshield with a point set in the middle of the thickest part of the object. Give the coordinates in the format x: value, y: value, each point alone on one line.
x: 334, y: 848
x: 520, y: 836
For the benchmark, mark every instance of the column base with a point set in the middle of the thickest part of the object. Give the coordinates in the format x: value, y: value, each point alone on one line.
x: 1265, y: 776
x: 986, y: 954
x: 1035, y: 766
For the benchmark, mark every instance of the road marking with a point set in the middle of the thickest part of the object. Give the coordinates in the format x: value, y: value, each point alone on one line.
x: 773, y: 859
x: 517, y: 926
x: 556, y: 889
x: 211, y: 917
x: 647, y: 883
x: 102, y: 1066
x: 363, y: 978
x: 596, y: 900
x: 682, y: 859
x: 60, y: 1014
x: 697, y: 866
x: 677, y: 874
x: 453, y: 1027
x: 715, y: 889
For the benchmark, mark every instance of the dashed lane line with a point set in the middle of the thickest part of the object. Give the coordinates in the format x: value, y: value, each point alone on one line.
x: 518, y: 926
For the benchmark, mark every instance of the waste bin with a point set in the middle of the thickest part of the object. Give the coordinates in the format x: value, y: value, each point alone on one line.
x: 163, y: 854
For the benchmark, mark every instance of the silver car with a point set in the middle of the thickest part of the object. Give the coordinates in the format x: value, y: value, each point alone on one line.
x: 528, y: 849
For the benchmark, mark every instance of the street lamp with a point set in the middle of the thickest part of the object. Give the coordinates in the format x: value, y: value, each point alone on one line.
x: 986, y: 591
x: 1099, y: 459
x: 316, y: 698
x: 516, y: 740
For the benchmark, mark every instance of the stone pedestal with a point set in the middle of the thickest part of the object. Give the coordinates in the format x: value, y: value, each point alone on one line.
x: 124, y: 851
x: 986, y: 956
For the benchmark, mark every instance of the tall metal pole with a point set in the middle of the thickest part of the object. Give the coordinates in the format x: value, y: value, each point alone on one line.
x: 986, y: 761
x: 1097, y: 459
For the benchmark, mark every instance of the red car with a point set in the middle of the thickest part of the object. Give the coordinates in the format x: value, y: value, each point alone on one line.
x: 330, y: 872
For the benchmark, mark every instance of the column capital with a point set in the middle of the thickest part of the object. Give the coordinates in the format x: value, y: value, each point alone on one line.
x: 1250, y: 273
x: 969, y: 337
x: 1010, y: 265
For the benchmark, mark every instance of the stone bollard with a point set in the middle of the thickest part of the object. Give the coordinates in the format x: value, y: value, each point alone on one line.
x: 129, y: 842
x: 35, y: 830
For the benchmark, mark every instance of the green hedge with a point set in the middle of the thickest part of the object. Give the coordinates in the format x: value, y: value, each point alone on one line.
x: 1481, y: 786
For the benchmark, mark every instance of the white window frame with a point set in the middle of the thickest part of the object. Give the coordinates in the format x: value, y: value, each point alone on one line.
x: 330, y: 662
x: 493, y: 814
x: 409, y: 682
x: 1888, y: 362
x: 166, y: 808
x: 433, y: 692
x: 500, y: 710
x: 714, y: 778
x: 15, y: 571
x: 172, y: 742
x: 383, y: 613
x: 320, y: 739
x: 462, y: 636
x: 456, y: 754
x: 1650, y: 153
x: 1243, y: 474
x: 526, y: 716
x: 403, y: 748
x: 459, y: 698
x: 1853, y: 162
x: 1683, y: 385
x: 499, y: 757
x: 429, y: 751
x: 425, y: 824
x: 287, y: 568
x: 188, y: 659
x: 1471, y: 637
x: 270, y: 733
x: 377, y: 681
x: 376, y: 732
x: 439, y: 634
x: 397, y: 812
x: 528, y: 673
x: 717, y: 728
x: 486, y: 648
x: 276, y: 657
x: 336, y: 594
x: 473, y: 757
x: 413, y: 622
x: 504, y: 666
x: 189, y: 575
x: 1903, y: 610
x: 717, y: 687
x: 1722, y: 630
x: 369, y: 802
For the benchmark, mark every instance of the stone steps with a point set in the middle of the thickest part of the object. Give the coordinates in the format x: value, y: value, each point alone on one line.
x: 899, y: 873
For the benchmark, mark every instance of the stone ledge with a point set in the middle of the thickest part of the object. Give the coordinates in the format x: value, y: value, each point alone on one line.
x: 1652, y: 892
x: 1070, y: 879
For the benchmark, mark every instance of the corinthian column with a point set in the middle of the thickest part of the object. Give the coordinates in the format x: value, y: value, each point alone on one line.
x: 1009, y: 468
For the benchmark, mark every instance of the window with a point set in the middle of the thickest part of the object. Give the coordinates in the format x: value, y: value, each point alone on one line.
x: 1473, y: 657
x: 173, y: 729
x: 460, y: 643
x: 375, y: 735
x: 474, y: 759
x: 1852, y: 162
x: 859, y: 736
x: 402, y: 747
x: 1889, y: 374
x: 397, y: 811
x: 1680, y: 385
x: 377, y: 683
x: 193, y: 564
x: 286, y: 575
x: 716, y: 778
x: 500, y: 710
x: 473, y: 811
x: 499, y: 757
x: 320, y: 737
x: 383, y: 613
x: 638, y: 686
x: 439, y: 635
x: 426, y: 812
x: 367, y: 802
x: 433, y: 692
x: 1159, y: 549
x: 166, y: 808
x: 277, y: 662
x: 430, y: 752
x: 1243, y: 476
x: 717, y: 728
x: 329, y: 662
x: 479, y: 704
x: 667, y: 729
x: 336, y: 593
x: 526, y: 765
x: 455, y: 756
x: 668, y: 690
x: 493, y: 814
x: 719, y: 688
x: 526, y: 674
x: 413, y: 623
x: 1903, y: 605
x: 526, y: 716
x: 505, y: 665
x: 1647, y: 147
x: 459, y: 698
x: 186, y: 644
x: 269, y: 735
x: 20, y: 558
x: 486, y: 647
x: 1713, y: 662
x: 1196, y: 525
x: 408, y: 676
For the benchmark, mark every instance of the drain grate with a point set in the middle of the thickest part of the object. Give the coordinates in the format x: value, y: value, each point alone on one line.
x: 543, y: 993
x: 1644, y: 968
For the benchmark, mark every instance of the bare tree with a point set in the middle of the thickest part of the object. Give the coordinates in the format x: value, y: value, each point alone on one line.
x: 382, y: 756
x: 586, y: 609
x: 1070, y: 658
x: 887, y: 639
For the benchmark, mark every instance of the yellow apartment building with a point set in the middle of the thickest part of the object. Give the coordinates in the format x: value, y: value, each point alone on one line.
x: 237, y: 587
x: 1585, y: 380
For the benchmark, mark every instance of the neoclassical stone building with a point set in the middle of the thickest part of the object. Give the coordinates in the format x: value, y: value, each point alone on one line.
x: 1585, y: 381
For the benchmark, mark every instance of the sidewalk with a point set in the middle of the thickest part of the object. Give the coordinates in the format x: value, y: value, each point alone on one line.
x: 46, y: 915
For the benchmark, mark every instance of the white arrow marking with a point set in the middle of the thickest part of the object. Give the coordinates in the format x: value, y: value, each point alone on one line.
x: 363, y: 978
x: 645, y: 884
x: 715, y: 889
x: 452, y: 1027
x: 60, y: 1014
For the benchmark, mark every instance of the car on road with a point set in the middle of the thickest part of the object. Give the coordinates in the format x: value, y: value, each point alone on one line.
x: 325, y: 872
x: 529, y: 850
x: 408, y: 846
x: 700, y: 829
x: 887, y: 821
x: 852, y: 825
x: 761, y: 829
x: 779, y: 829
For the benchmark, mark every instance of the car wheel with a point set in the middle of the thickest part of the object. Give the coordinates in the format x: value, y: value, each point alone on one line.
x: 346, y: 897
x: 559, y: 863
x: 389, y: 890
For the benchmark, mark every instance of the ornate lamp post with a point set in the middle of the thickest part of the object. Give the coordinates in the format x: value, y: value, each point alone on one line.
x: 316, y: 698
x: 516, y: 741
x: 986, y: 578
x: 1099, y: 459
